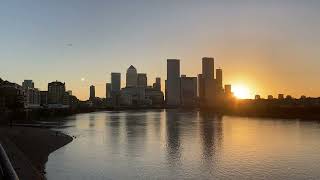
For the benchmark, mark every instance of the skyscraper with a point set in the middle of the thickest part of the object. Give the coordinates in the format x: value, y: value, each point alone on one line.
x: 142, y: 80
x: 108, y: 90
x: 115, y: 82
x: 200, y: 86
x: 208, y: 68
x: 173, y: 82
x: 188, y: 86
x: 92, y: 92
x: 27, y: 84
x: 209, y: 83
x: 131, y: 77
x: 219, y: 79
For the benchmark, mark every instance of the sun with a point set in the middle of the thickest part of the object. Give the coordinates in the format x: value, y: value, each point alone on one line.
x: 241, y: 91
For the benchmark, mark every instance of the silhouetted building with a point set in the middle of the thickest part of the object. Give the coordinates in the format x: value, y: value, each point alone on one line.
x: 173, y: 82
x: 219, y: 79
x: 43, y: 98
x: 32, y: 98
x: 155, y: 96
x: 257, y: 97
x: 131, y: 77
x: 188, y: 87
x: 208, y: 68
x: 108, y: 90
x: 32, y: 95
x: 209, y: 83
x: 270, y: 97
x: 157, y: 84
x: 92, y: 92
x: 56, y: 91
x: 200, y: 86
x: 142, y: 80
x: 115, y: 82
x: 281, y: 96
x: 115, y: 88
x: 27, y: 84
x: 11, y: 95
x: 228, y: 90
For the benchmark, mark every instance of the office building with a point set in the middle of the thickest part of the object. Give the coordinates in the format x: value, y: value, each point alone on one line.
x: 227, y: 90
x: 200, y: 86
x: 108, y: 90
x: 27, y: 84
x: 157, y: 84
x: 92, y: 92
x: 115, y: 82
x: 56, y: 91
x: 131, y: 77
x: 142, y: 80
x: 43, y: 98
x: 115, y: 88
x: 188, y: 87
x: 219, y: 79
x: 173, y: 82
x: 208, y: 68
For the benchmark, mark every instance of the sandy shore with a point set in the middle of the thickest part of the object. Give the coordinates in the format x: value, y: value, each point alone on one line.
x: 28, y: 149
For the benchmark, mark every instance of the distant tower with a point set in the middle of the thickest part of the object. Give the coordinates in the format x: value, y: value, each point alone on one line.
x: 131, y: 77
x: 208, y: 68
x: 227, y: 90
x: 142, y: 80
x: 27, y: 84
x: 157, y: 84
x: 173, y: 82
x: 92, y: 92
x: 115, y: 82
x: 219, y: 79
x: 108, y: 90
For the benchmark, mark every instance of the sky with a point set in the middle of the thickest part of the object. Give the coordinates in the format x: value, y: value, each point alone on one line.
x: 269, y: 46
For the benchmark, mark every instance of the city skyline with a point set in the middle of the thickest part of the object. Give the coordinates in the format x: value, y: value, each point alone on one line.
x: 268, y: 47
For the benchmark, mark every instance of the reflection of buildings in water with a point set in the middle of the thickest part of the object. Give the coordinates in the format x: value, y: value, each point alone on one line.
x: 211, y: 135
x: 173, y: 138
x: 135, y: 132
x: 113, y: 121
x: 92, y: 118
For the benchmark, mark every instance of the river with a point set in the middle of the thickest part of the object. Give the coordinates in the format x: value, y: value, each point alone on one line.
x: 176, y: 144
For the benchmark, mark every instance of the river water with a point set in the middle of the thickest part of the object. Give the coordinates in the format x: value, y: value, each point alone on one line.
x: 174, y: 144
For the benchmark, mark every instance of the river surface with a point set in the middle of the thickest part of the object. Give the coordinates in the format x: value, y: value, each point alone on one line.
x: 173, y: 144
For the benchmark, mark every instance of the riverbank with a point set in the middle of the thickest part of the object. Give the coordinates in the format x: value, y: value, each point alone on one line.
x: 28, y: 149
